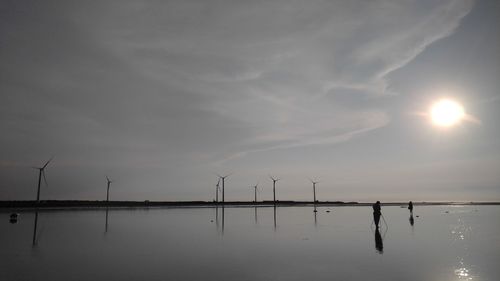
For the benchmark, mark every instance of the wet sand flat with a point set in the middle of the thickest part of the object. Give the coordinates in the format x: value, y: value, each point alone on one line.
x: 445, y: 242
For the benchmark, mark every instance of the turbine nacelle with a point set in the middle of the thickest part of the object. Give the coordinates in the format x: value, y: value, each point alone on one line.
x: 313, y: 182
x: 224, y: 177
x: 273, y: 179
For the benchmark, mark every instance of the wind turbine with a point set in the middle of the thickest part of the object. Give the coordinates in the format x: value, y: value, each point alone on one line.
x: 107, y: 191
x: 314, y: 192
x: 314, y: 188
x: 223, y: 178
x: 40, y: 174
x: 217, y: 188
x: 274, y: 188
x: 255, y: 192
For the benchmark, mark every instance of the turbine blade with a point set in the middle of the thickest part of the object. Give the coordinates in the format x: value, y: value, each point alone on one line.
x: 44, y: 178
x: 48, y: 162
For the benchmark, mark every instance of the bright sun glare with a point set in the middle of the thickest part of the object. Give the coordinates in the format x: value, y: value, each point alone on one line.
x: 446, y: 113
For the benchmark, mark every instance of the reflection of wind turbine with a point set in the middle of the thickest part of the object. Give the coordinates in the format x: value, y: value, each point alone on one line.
x: 274, y: 188
x: 314, y: 192
x: 223, y: 178
x: 274, y: 217
x: 106, y: 224
x: 107, y: 191
x: 40, y: 174
x: 34, y: 228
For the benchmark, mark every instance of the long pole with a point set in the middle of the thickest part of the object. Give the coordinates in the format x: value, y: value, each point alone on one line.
x: 384, y: 220
x: 255, y: 193
x: 107, y: 193
x: 39, y: 182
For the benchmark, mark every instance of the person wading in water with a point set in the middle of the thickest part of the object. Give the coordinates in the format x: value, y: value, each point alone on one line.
x: 410, y: 207
x: 376, y: 213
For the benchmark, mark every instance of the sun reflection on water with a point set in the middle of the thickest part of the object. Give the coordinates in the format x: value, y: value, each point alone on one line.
x: 461, y: 234
x: 463, y: 273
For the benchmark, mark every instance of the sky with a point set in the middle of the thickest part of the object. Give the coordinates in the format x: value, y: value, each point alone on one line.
x: 160, y: 96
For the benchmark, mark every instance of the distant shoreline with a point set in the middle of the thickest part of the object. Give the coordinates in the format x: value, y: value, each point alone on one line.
x: 64, y: 204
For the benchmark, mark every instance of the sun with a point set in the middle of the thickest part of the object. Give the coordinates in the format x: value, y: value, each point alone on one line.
x: 446, y: 113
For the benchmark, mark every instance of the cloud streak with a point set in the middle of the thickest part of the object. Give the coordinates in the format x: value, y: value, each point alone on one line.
x: 178, y: 84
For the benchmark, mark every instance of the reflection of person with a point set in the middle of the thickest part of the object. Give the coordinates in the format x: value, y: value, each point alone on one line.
x: 376, y: 213
x: 410, y: 207
x: 411, y: 220
x: 379, y: 243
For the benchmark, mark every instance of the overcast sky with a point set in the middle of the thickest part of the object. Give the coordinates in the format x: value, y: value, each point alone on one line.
x: 160, y: 95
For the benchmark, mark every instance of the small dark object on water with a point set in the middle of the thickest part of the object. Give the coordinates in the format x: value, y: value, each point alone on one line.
x: 447, y: 212
x: 13, y: 218
x: 418, y: 216
x: 328, y: 211
x: 211, y: 220
x: 315, y: 211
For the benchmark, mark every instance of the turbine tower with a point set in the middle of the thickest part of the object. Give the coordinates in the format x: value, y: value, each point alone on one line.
x: 274, y: 188
x: 40, y: 174
x: 217, y: 188
x: 255, y: 192
x: 314, y: 192
x: 223, y: 178
x: 107, y: 191
x: 314, y: 189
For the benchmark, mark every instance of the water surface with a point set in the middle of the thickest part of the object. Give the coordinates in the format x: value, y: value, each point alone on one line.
x: 246, y: 243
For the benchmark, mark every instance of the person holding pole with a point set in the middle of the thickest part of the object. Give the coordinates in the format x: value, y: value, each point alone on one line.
x: 376, y: 213
x: 410, y: 207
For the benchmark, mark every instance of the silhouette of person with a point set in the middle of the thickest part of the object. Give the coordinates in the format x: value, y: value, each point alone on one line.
x: 379, y: 243
x: 410, y: 207
x: 376, y: 213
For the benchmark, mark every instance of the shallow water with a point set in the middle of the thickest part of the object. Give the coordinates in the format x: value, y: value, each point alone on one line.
x: 286, y: 243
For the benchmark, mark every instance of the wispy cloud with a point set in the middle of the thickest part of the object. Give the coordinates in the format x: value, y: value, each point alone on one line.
x: 168, y: 81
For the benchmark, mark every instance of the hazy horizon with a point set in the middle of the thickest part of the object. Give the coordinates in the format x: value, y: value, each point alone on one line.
x: 161, y: 96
